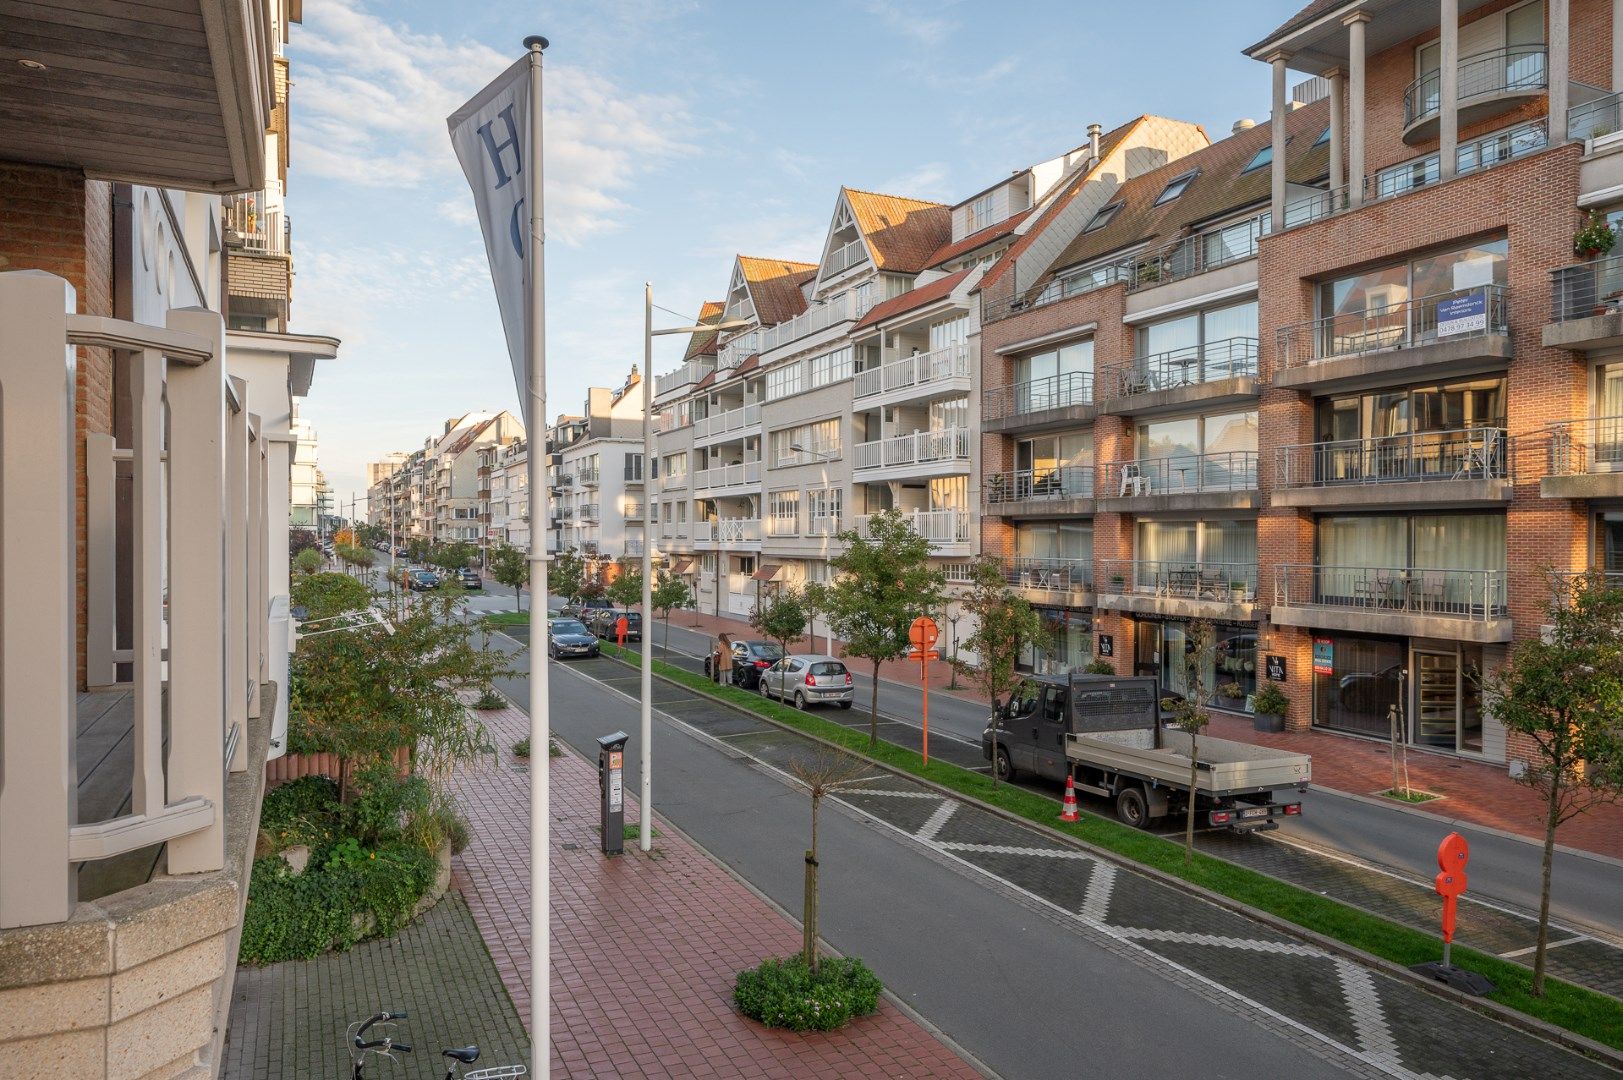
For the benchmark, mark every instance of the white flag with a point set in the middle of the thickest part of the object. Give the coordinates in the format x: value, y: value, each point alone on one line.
x: 491, y: 137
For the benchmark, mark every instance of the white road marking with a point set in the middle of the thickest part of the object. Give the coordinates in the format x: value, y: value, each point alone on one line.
x: 943, y: 813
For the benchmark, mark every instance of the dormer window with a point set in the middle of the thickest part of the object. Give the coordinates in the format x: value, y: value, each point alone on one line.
x: 1176, y: 186
x: 1265, y: 156
x: 1324, y: 137
x: 981, y: 212
x: 1102, y: 218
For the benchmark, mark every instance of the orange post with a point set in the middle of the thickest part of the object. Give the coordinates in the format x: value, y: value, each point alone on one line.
x: 924, y: 682
x: 924, y: 634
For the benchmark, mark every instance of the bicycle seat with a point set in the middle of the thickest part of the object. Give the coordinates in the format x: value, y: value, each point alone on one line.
x: 465, y: 1054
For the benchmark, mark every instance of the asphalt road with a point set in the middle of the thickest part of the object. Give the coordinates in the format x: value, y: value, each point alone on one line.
x: 1022, y: 992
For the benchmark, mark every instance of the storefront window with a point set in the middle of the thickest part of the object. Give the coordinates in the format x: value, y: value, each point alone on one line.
x: 1228, y: 675
x: 1069, y: 646
x: 1356, y: 681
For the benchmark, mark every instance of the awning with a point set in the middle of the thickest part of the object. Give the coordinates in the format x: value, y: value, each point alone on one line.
x: 767, y: 572
x: 681, y: 566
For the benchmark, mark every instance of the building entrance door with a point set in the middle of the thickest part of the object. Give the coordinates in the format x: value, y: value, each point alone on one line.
x: 1448, y: 698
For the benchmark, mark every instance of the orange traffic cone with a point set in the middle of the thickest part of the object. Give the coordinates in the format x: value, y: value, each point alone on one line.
x: 1068, y: 812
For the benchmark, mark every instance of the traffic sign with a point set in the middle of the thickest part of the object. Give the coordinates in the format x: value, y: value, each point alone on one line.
x: 928, y: 654
x: 924, y: 632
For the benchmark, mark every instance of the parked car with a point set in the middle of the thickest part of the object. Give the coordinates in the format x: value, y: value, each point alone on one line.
x: 804, y: 679
x: 602, y: 623
x: 581, y: 609
x: 469, y: 578
x: 422, y: 580
x: 402, y: 553
x: 569, y: 637
x: 750, y: 658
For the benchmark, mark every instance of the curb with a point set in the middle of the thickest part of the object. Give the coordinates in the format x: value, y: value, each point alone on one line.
x: 1493, y: 1010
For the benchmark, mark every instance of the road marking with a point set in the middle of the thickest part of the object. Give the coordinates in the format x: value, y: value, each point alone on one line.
x: 1368, y: 1014
x: 1012, y: 849
x: 1534, y: 948
x: 892, y: 794
x: 938, y: 820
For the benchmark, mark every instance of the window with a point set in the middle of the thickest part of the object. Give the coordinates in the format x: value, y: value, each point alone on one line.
x: 1102, y: 218
x: 676, y: 466
x: 1323, y: 139
x: 949, y: 332
x: 981, y: 212
x: 1064, y: 540
x: 1055, y: 378
x: 823, y: 511
x: 1262, y: 157
x: 1199, y: 347
x: 633, y: 468
x: 785, y: 380
x: 1375, y: 301
x: 817, y: 442
x: 783, y: 513
x: 830, y: 367
x: 1176, y: 186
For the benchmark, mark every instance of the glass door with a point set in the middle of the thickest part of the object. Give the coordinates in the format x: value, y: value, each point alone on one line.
x: 1437, y: 699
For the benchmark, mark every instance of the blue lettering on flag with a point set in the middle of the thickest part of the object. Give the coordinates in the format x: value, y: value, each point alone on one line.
x: 494, y: 149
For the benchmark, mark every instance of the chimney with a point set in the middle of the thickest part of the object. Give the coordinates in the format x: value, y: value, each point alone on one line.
x: 1094, y: 130
x: 1245, y: 123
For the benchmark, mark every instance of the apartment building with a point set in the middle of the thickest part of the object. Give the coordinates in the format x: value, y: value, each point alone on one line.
x: 509, y: 508
x: 595, y: 474
x: 145, y: 514
x: 309, y: 498
x: 458, y: 487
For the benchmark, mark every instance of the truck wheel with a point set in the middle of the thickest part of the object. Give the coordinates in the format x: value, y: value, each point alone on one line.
x: 1004, y: 767
x: 1131, y: 809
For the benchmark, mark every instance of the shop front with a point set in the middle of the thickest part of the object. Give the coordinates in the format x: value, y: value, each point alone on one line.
x: 1431, y: 689
x: 1069, y: 645
x: 1228, y: 677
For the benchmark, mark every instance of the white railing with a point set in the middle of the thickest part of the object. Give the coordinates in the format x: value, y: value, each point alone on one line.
x: 738, y: 350
x: 919, y: 448
x: 725, y: 476
x: 920, y: 369
x: 727, y: 422
x: 728, y: 531
x: 838, y: 309
x: 194, y: 456
x: 252, y: 223
x: 939, y: 527
x: 845, y: 256
x: 686, y: 375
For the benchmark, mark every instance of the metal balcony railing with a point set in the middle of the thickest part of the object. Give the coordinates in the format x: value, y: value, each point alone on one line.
x: 1186, y: 474
x: 1193, y: 365
x: 1460, y: 594
x: 1234, y: 582
x: 251, y: 224
x: 1478, y: 312
x: 921, y: 369
x: 1197, y: 254
x: 1062, y: 287
x: 1068, y: 389
x: 1052, y: 575
x: 1585, y: 446
x: 1480, y: 453
x: 1516, y: 68
x: 1592, y: 119
x: 919, y: 448
x: 939, y: 527
x: 1587, y: 288
x: 1062, y: 482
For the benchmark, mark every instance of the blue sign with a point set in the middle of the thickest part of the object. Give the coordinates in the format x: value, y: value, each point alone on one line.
x: 1324, y: 656
x: 1462, y: 314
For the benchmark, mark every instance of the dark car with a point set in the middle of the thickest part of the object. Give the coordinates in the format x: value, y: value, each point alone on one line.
x: 401, y: 553
x: 469, y: 578
x: 750, y: 658
x: 603, y: 622
x: 422, y: 580
x: 585, y: 609
x: 569, y: 637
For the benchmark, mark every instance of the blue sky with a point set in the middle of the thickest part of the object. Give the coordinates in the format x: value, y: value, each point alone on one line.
x: 678, y: 134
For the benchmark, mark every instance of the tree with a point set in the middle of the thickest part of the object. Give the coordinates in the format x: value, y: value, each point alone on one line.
x: 1564, y: 692
x: 1004, y: 624
x: 781, y: 617
x: 884, y: 582
x: 453, y: 556
x: 821, y: 775
x: 669, y: 592
x: 814, y: 598
x: 566, y: 575
x: 625, y: 591
x: 307, y: 561
x: 417, y: 549
x: 302, y: 540
x: 1189, y: 711
x: 325, y: 595
x: 511, y: 567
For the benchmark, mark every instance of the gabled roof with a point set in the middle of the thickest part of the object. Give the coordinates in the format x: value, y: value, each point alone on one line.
x: 901, y: 233
x: 704, y: 343
x: 1301, y: 18
x: 774, y: 287
x: 468, y: 437
x: 951, y: 251
x: 909, y: 301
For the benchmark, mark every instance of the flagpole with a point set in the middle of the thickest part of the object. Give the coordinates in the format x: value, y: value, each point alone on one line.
x: 535, y: 420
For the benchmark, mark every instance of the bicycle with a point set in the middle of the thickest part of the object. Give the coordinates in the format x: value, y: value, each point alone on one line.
x: 462, y: 1056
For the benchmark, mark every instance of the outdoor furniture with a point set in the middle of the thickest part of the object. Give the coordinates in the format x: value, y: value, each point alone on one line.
x: 1133, y: 481
x: 1480, y: 459
x: 1134, y: 381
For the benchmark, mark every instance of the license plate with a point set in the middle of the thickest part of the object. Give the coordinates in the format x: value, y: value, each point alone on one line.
x: 1255, y: 812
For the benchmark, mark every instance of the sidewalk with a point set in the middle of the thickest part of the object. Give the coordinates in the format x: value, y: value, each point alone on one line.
x: 645, y: 949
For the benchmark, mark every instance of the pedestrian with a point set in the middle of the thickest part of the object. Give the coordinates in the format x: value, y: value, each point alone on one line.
x: 723, y: 667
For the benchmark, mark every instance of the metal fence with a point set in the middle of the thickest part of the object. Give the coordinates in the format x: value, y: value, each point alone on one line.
x: 1460, y: 594
x: 1499, y: 71
x: 1226, y: 358
x: 1197, y: 254
x: 1479, y: 453
x: 1425, y: 320
x: 1188, y: 579
x: 1061, y: 391
x: 1587, y: 288
x: 1062, y: 482
x: 1184, y: 474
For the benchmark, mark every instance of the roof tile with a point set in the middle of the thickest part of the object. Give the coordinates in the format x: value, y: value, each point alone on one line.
x: 908, y: 301
x: 774, y: 286
x: 902, y: 233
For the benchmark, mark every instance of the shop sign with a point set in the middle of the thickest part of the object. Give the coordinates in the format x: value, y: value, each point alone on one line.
x: 1462, y: 314
x: 1324, y: 656
x: 1107, y: 645
x: 1276, y: 668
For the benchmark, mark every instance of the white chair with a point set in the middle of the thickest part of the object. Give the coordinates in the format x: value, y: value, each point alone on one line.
x: 1133, y: 481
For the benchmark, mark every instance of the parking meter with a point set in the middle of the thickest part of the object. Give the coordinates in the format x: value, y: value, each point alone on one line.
x: 611, y: 755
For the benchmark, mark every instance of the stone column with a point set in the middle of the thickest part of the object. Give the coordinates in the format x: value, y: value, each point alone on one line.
x: 1355, y: 108
x: 1448, y: 92
x: 1280, y: 114
x: 1338, y: 125
x: 1558, y: 65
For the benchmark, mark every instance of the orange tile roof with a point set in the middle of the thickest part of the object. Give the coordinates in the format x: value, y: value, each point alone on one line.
x: 751, y: 362
x: 974, y: 240
x: 909, y: 301
x: 774, y: 286
x: 704, y: 343
x: 902, y: 233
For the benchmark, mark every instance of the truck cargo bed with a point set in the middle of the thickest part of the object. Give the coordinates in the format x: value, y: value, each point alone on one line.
x: 1226, y: 767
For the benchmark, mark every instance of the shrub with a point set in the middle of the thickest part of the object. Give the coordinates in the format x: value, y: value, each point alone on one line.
x: 788, y: 994
x: 1270, y: 701
x: 522, y: 747
x: 489, y: 699
x: 307, y: 561
x: 305, y: 811
x: 325, y: 595
x: 1100, y: 667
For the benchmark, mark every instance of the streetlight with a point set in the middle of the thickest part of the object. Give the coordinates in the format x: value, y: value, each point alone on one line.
x: 824, y: 457
x: 645, y: 835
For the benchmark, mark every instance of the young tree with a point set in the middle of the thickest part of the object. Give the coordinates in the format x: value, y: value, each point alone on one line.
x: 417, y: 549
x: 821, y: 774
x: 566, y: 575
x: 1004, y: 624
x: 814, y: 598
x: 884, y: 582
x: 454, y: 556
x: 781, y: 617
x: 307, y: 561
x: 302, y: 540
x: 1564, y: 691
x: 669, y: 592
x: 625, y: 591
x: 1189, y: 711
x: 511, y: 567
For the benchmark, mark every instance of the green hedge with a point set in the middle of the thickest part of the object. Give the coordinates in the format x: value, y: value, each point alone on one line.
x: 787, y: 994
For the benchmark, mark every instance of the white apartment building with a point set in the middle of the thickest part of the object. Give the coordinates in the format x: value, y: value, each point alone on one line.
x: 596, y: 474
x: 509, y: 520
x: 454, y: 479
x: 307, y: 483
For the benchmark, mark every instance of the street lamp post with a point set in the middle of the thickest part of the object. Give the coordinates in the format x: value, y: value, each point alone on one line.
x: 824, y: 457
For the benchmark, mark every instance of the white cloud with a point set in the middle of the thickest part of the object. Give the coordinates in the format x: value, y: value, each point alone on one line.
x: 910, y: 21
x: 928, y: 181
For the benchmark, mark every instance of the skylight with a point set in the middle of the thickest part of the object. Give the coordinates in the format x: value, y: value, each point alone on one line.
x: 1102, y: 218
x: 1324, y: 137
x: 1176, y: 186
x: 1263, y: 157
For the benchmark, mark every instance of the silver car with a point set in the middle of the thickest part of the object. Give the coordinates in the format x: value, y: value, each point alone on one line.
x: 806, y: 679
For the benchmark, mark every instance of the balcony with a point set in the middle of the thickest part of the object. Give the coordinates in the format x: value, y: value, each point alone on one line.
x: 632, y: 511
x: 1181, y: 588
x: 845, y: 256
x: 737, y: 350
x: 1062, y: 287
x: 1045, y: 404
x: 943, y: 372
x: 1465, y: 332
x: 587, y: 477
x: 1586, y: 305
x: 923, y: 453
x: 1197, y: 254
x: 1053, y: 492
x: 728, y: 534
x: 1489, y: 83
x: 1600, y: 116
x: 589, y: 514
x: 948, y: 531
x: 1222, y: 372
x: 673, y: 481
x: 1583, y: 460
x: 731, y: 425
x: 1068, y: 582
x: 724, y: 479
x: 1435, y: 469
x: 1462, y: 605
x: 682, y: 378
x: 816, y: 318
x: 1220, y: 481
x: 251, y: 226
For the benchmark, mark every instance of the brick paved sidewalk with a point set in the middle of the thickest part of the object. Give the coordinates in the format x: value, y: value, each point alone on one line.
x: 659, y: 1002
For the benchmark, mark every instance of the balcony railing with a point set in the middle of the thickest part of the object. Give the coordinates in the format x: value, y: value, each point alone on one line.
x: 1587, y: 288
x: 838, y: 309
x: 1187, y: 474
x: 738, y: 350
x: 1070, y: 388
x: 1459, y: 594
x: 250, y: 225
x: 673, y: 481
x: 724, y: 476
x: 1479, y: 453
x: 1052, y: 575
x: 919, y: 448
x: 1232, y: 582
x: 632, y: 511
x: 939, y: 527
x: 1592, y: 119
x: 728, y: 531
x: 727, y: 422
x: 1450, y: 316
x: 845, y: 256
x: 1197, y: 254
x: 1193, y: 365
x: 686, y: 375
x: 1060, y: 288
x: 1516, y: 68
x: 920, y: 369
x: 1063, y: 482
x: 1585, y: 446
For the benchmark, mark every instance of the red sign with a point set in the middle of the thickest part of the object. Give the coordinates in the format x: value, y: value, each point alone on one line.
x: 923, y: 633
x: 1452, y: 855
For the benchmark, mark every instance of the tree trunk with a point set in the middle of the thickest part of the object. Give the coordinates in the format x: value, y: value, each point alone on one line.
x: 1189, y: 825
x: 667, y: 645
x: 810, y: 928
x: 873, y: 711
x: 518, y: 596
x: 1552, y: 818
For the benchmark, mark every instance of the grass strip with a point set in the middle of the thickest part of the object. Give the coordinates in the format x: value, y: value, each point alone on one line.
x: 1576, y: 1009
x: 508, y: 618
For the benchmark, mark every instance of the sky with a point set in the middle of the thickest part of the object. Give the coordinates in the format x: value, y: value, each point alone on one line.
x: 679, y: 133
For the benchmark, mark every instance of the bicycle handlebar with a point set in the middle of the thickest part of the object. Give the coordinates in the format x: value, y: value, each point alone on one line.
x: 386, y: 1043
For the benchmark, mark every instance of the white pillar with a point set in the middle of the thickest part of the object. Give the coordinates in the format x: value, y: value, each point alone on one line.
x: 237, y: 688
x: 1338, y: 126
x: 1617, y: 45
x: 1558, y: 65
x: 1448, y: 91
x: 197, y: 692
x: 1355, y: 108
x: 1280, y: 114
x: 256, y: 562
x: 37, y: 773
x: 147, y: 374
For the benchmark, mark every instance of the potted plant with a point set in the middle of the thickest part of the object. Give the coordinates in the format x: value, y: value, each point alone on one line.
x: 1270, y: 704
x: 1595, y: 238
x: 1231, y: 691
x: 1117, y: 582
x: 1237, y: 590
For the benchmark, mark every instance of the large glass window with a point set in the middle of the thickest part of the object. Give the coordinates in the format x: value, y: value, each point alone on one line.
x: 1437, y: 562
x: 1054, y: 377
x: 1356, y: 682
x: 1059, y: 540
x: 1371, y: 309
x: 1198, y: 346
x: 1200, y: 453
